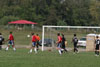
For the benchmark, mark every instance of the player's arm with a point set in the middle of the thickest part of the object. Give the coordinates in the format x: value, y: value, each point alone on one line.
x: 3, y: 40
x: 8, y: 39
x: 58, y: 41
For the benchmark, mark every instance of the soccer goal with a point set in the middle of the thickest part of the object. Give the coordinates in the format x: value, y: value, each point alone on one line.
x: 49, y: 35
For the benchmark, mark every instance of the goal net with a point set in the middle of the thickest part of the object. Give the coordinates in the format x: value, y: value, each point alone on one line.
x: 87, y: 33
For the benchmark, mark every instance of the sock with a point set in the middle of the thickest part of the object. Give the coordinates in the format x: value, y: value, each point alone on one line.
x: 35, y: 49
x: 30, y: 50
x: 59, y: 52
x: 14, y: 49
x: 7, y: 48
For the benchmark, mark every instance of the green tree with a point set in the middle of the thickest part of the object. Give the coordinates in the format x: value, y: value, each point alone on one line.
x: 6, y: 19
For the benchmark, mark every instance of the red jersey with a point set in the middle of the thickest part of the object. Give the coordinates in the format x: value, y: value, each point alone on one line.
x: 59, y: 39
x: 11, y: 37
x: 33, y: 38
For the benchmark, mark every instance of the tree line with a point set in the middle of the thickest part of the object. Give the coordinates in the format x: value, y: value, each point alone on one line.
x: 51, y: 12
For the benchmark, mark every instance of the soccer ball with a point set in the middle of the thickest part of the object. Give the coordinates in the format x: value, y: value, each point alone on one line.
x: 28, y: 35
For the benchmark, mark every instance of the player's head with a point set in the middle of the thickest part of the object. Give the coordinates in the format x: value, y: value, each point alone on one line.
x: 37, y: 34
x: 10, y: 32
x: 32, y: 33
x: 74, y: 34
x: 58, y: 34
x: 62, y: 35
x: 97, y: 37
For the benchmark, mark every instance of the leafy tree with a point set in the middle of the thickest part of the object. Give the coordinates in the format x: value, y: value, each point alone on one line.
x: 6, y: 19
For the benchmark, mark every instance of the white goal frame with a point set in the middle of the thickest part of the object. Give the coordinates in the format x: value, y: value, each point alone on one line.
x: 75, y: 27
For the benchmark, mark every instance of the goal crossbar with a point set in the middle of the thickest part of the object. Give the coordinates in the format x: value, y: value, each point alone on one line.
x: 81, y: 27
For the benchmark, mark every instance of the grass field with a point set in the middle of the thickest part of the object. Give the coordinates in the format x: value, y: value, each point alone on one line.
x: 21, y: 58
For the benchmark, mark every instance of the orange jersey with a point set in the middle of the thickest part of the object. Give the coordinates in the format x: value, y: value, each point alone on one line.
x: 38, y: 38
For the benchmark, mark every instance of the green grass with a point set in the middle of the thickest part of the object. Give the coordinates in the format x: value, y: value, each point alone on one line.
x: 21, y: 58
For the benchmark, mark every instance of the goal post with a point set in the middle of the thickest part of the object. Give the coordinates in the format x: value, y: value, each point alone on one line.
x: 68, y: 27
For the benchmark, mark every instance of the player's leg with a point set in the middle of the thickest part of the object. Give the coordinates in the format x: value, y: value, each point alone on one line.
x: 8, y: 45
x: 64, y: 48
x: 76, y: 50
x: 12, y: 43
x: 74, y: 47
x: 31, y: 48
x: 37, y: 45
x: 98, y: 50
x: 0, y: 47
x: 35, y: 48
x: 59, y: 48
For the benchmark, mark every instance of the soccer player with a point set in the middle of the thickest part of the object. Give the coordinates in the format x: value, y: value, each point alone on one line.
x: 97, y: 44
x: 37, y: 42
x: 1, y: 41
x: 59, y: 43
x: 63, y: 43
x: 11, y: 42
x: 33, y: 43
x: 75, y: 41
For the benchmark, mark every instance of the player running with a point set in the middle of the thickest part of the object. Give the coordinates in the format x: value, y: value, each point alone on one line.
x: 97, y: 44
x: 33, y: 44
x: 37, y: 42
x: 75, y: 41
x: 11, y: 42
x: 63, y: 43
x: 1, y: 41
x: 59, y: 43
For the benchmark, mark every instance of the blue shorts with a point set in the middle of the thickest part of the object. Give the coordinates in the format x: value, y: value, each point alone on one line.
x: 33, y: 44
x: 11, y: 42
x: 59, y: 45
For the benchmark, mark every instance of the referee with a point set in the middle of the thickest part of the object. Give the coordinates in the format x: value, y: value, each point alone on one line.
x: 75, y: 41
x: 97, y: 44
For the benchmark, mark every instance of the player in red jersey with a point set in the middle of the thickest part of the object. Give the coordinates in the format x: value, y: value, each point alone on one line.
x: 59, y: 43
x: 11, y: 42
x: 33, y: 43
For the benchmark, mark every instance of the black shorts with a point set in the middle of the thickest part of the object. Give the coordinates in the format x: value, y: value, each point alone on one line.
x: 75, y: 45
x: 37, y: 43
x: 97, y: 47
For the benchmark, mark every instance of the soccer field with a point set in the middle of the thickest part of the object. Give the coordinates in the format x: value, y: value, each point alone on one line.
x: 21, y: 58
